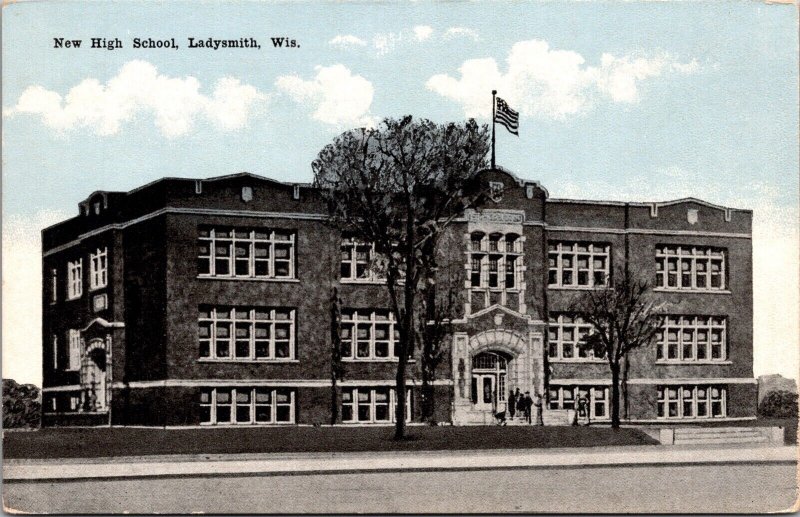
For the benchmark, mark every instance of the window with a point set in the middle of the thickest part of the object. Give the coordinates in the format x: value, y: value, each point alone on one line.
x: 98, y: 269
x: 690, y: 267
x: 74, y: 340
x: 246, y: 333
x: 371, y: 405
x: 74, y: 279
x: 700, y: 401
x: 568, y: 397
x: 55, y: 352
x: 247, y: 406
x: 495, y: 260
x: 358, y: 262
x: 246, y: 253
x: 691, y: 339
x: 53, y: 285
x: 578, y: 264
x: 564, y: 334
x: 369, y: 335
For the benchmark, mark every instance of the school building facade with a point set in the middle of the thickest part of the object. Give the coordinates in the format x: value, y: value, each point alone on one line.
x: 208, y: 302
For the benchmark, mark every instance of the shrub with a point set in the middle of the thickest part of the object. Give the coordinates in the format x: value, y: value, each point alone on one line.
x: 780, y: 403
x: 22, y: 407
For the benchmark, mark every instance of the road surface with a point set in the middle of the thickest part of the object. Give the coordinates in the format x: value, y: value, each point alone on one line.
x: 713, y: 489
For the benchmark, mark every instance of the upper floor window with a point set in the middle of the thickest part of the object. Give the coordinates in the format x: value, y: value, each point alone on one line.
x: 74, y: 279
x: 564, y: 335
x: 53, y: 285
x: 495, y: 260
x: 692, y: 401
x: 692, y: 338
x: 578, y: 264
x: 246, y: 333
x: 98, y: 269
x: 690, y: 267
x: 369, y: 335
x: 246, y: 253
x: 358, y: 262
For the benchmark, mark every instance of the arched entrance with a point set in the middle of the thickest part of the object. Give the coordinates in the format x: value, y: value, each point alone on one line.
x: 93, y: 377
x: 489, y: 381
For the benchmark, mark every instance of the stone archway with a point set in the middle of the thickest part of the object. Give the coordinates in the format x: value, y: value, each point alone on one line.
x: 93, y: 376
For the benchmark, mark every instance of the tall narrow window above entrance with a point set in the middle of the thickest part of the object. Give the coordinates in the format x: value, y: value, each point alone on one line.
x: 494, y: 260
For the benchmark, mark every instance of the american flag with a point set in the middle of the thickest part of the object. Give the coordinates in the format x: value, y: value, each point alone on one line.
x: 506, y: 116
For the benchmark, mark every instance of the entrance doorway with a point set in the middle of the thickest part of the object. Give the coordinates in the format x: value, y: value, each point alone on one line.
x: 489, y: 372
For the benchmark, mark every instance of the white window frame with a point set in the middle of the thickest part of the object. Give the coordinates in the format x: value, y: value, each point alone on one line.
x: 593, y: 392
x: 98, y: 269
x: 251, y: 240
x: 54, y: 285
x: 695, y: 326
x: 562, y: 257
x: 213, y: 406
x: 690, y: 394
x: 74, y: 341
x: 55, y: 352
x: 354, y: 403
x: 556, y: 339
x: 696, y: 258
x: 355, y: 319
x: 74, y: 279
x: 495, y: 248
x: 351, y: 247
x: 250, y: 323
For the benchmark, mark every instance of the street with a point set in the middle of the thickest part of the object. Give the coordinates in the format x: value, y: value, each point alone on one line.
x: 668, y: 489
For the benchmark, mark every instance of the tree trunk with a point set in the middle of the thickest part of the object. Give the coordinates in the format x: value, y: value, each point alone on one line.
x: 624, y: 387
x: 615, y: 395
x: 336, y: 353
x: 429, y: 335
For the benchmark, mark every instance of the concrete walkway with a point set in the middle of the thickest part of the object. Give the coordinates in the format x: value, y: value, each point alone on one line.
x: 333, y: 463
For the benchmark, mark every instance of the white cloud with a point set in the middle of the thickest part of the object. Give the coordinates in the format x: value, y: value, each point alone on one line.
x: 552, y: 84
x: 22, y: 287
x: 422, y: 32
x: 174, y: 102
x: 347, y: 41
x: 337, y: 96
x: 455, y: 32
x: 386, y: 42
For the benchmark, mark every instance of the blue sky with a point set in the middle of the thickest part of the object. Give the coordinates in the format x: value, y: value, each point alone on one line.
x: 628, y: 101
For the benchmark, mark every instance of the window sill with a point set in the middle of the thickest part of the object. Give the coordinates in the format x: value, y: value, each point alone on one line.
x: 589, y: 361
x: 98, y: 288
x: 248, y: 279
x: 374, y: 360
x: 495, y: 289
x: 690, y: 418
x: 243, y: 424
x: 690, y: 363
x: 693, y: 291
x: 577, y: 288
x: 72, y: 299
x: 254, y: 361
x: 350, y: 281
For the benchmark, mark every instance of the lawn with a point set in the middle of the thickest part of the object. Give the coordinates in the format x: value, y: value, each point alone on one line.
x: 101, y: 442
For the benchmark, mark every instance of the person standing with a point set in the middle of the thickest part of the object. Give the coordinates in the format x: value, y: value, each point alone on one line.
x: 538, y: 404
x: 512, y: 404
x: 527, y: 404
x: 520, y: 403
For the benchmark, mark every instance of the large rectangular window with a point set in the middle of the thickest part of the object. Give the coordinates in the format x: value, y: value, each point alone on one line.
x: 692, y: 339
x: 369, y: 335
x: 692, y: 401
x: 369, y: 404
x: 495, y: 260
x: 690, y: 268
x: 98, y: 269
x: 239, y: 405
x: 578, y: 264
x: 565, y: 332
x: 358, y: 262
x: 74, y: 340
x: 74, y: 279
x: 596, y: 399
x: 246, y: 253
x: 247, y: 333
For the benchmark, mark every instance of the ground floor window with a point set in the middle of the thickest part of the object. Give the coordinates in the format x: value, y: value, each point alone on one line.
x: 596, y: 399
x: 694, y: 401
x: 371, y: 404
x: 63, y: 402
x: 247, y: 406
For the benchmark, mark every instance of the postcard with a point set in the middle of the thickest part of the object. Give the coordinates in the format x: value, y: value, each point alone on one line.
x: 400, y: 257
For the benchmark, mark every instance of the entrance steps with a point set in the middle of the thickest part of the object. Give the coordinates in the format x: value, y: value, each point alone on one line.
x: 721, y: 435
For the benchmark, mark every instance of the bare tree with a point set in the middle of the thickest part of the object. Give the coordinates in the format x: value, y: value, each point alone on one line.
x: 398, y: 186
x: 624, y: 318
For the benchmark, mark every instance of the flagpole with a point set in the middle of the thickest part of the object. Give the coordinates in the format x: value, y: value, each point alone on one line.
x: 494, y: 104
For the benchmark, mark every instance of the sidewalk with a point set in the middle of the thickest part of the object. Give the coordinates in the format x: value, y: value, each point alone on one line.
x: 353, y: 462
